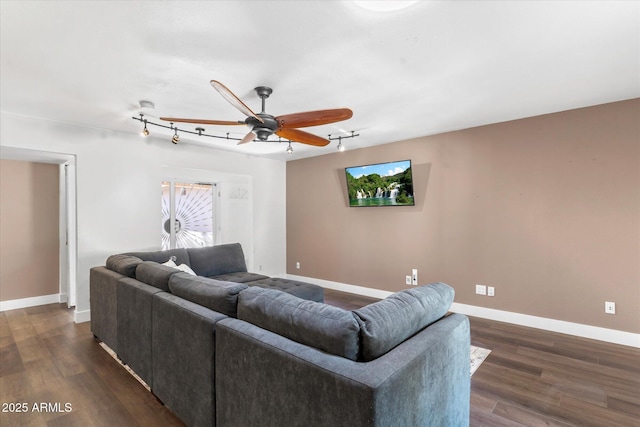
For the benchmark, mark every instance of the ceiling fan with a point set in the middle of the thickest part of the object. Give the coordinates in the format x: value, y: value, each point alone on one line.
x: 263, y: 125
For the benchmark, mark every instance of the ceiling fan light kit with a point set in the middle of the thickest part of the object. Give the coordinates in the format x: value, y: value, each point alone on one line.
x: 262, y: 124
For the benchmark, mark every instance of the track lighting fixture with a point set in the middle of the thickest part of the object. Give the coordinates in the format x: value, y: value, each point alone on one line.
x: 200, y: 132
x: 145, y: 131
x: 341, y: 147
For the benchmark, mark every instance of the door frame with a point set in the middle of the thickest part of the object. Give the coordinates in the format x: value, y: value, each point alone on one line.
x: 68, y: 249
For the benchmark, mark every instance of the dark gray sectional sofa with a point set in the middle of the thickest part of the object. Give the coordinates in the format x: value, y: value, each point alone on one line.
x: 233, y: 348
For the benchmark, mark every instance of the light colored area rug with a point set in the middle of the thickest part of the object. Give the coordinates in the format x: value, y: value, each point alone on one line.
x: 478, y: 355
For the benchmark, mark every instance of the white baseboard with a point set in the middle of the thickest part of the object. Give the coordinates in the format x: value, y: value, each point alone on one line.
x: 78, y: 316
x: 553, y: 325
x: 81, y: 316
x: 30, y: 302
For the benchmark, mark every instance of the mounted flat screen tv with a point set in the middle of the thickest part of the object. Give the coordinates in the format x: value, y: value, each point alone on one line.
x: 380, y: 184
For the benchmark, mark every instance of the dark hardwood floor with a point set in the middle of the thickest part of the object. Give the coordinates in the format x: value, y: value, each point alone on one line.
x: 531, y: 377
x: 46, y: 358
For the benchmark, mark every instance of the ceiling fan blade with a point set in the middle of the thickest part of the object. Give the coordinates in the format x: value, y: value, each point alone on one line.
x: 313, y: 118
x: 248, y: 138
x: 234, y: 100
x: 303, y: 137
x: 202, y: 121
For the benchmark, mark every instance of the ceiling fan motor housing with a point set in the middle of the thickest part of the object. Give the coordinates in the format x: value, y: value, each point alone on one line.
x: 263, y: 130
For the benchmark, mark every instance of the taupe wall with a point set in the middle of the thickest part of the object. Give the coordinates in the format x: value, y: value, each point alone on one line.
x: 29, y: 229
x: 546, y: 209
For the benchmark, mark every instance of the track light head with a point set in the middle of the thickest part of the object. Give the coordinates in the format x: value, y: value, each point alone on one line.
x: 289, y: 148
x: 145, y: 131
x: 175, y: 138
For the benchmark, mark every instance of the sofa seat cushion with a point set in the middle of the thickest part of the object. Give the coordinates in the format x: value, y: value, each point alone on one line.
x: 216, y: 260
x: 387, y: 323
x: 213, y: 294
x: 155, y: 274
x: 182, y: 257
x: 318, y: 325
x: 239, y: 277
x: 302, y: 290
x: 123, y: 264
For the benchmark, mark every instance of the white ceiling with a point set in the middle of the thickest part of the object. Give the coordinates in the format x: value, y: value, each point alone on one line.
x: 434, y: 67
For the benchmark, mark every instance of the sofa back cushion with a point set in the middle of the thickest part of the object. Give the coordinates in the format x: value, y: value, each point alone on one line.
x: 325, y: 327
x: 155, y: 274
x: 181, y: 254
x: 216, y: 260
x: 387, y: 323
x: 213, y: 294
x: 123, y: 264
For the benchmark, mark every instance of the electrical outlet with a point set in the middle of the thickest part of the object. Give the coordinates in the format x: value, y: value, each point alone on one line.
x: 610, y: 307
x: 298, y: 265
x: 491, y: 291
x: 407, y: 280
x: 414, y: 277
x: 481, y: 289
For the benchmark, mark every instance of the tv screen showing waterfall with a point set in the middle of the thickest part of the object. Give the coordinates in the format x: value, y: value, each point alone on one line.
x: 380, y: 184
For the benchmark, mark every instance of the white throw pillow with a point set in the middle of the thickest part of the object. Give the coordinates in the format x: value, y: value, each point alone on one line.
x: 170, y: 263
x: 181, y: 267
x: 186, y: 269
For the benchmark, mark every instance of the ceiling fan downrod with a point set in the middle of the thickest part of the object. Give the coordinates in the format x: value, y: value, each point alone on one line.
x: 263, y: 92
x: 263, y: 130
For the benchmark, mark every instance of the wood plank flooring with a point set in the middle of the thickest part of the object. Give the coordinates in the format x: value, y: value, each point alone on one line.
x: 535, y: 377
x: 531, y: 377
x: 45, y: 358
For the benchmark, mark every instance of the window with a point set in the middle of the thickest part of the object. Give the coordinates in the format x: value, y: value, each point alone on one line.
x: 188, y: 218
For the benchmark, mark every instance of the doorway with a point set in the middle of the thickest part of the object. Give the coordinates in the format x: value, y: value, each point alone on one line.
x: 67, y: 244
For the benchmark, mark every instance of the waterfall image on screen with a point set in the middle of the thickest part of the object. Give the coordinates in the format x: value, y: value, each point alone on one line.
x: 381, y: 184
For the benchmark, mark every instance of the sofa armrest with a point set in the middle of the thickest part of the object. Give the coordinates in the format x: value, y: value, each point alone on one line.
x: 423, y: 381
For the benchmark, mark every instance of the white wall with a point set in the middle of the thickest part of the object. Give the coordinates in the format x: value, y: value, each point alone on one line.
x: 118, y: 191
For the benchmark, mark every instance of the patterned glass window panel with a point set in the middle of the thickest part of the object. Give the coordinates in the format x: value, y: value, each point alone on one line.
x: 193, y: 213
x: 166, y: 215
